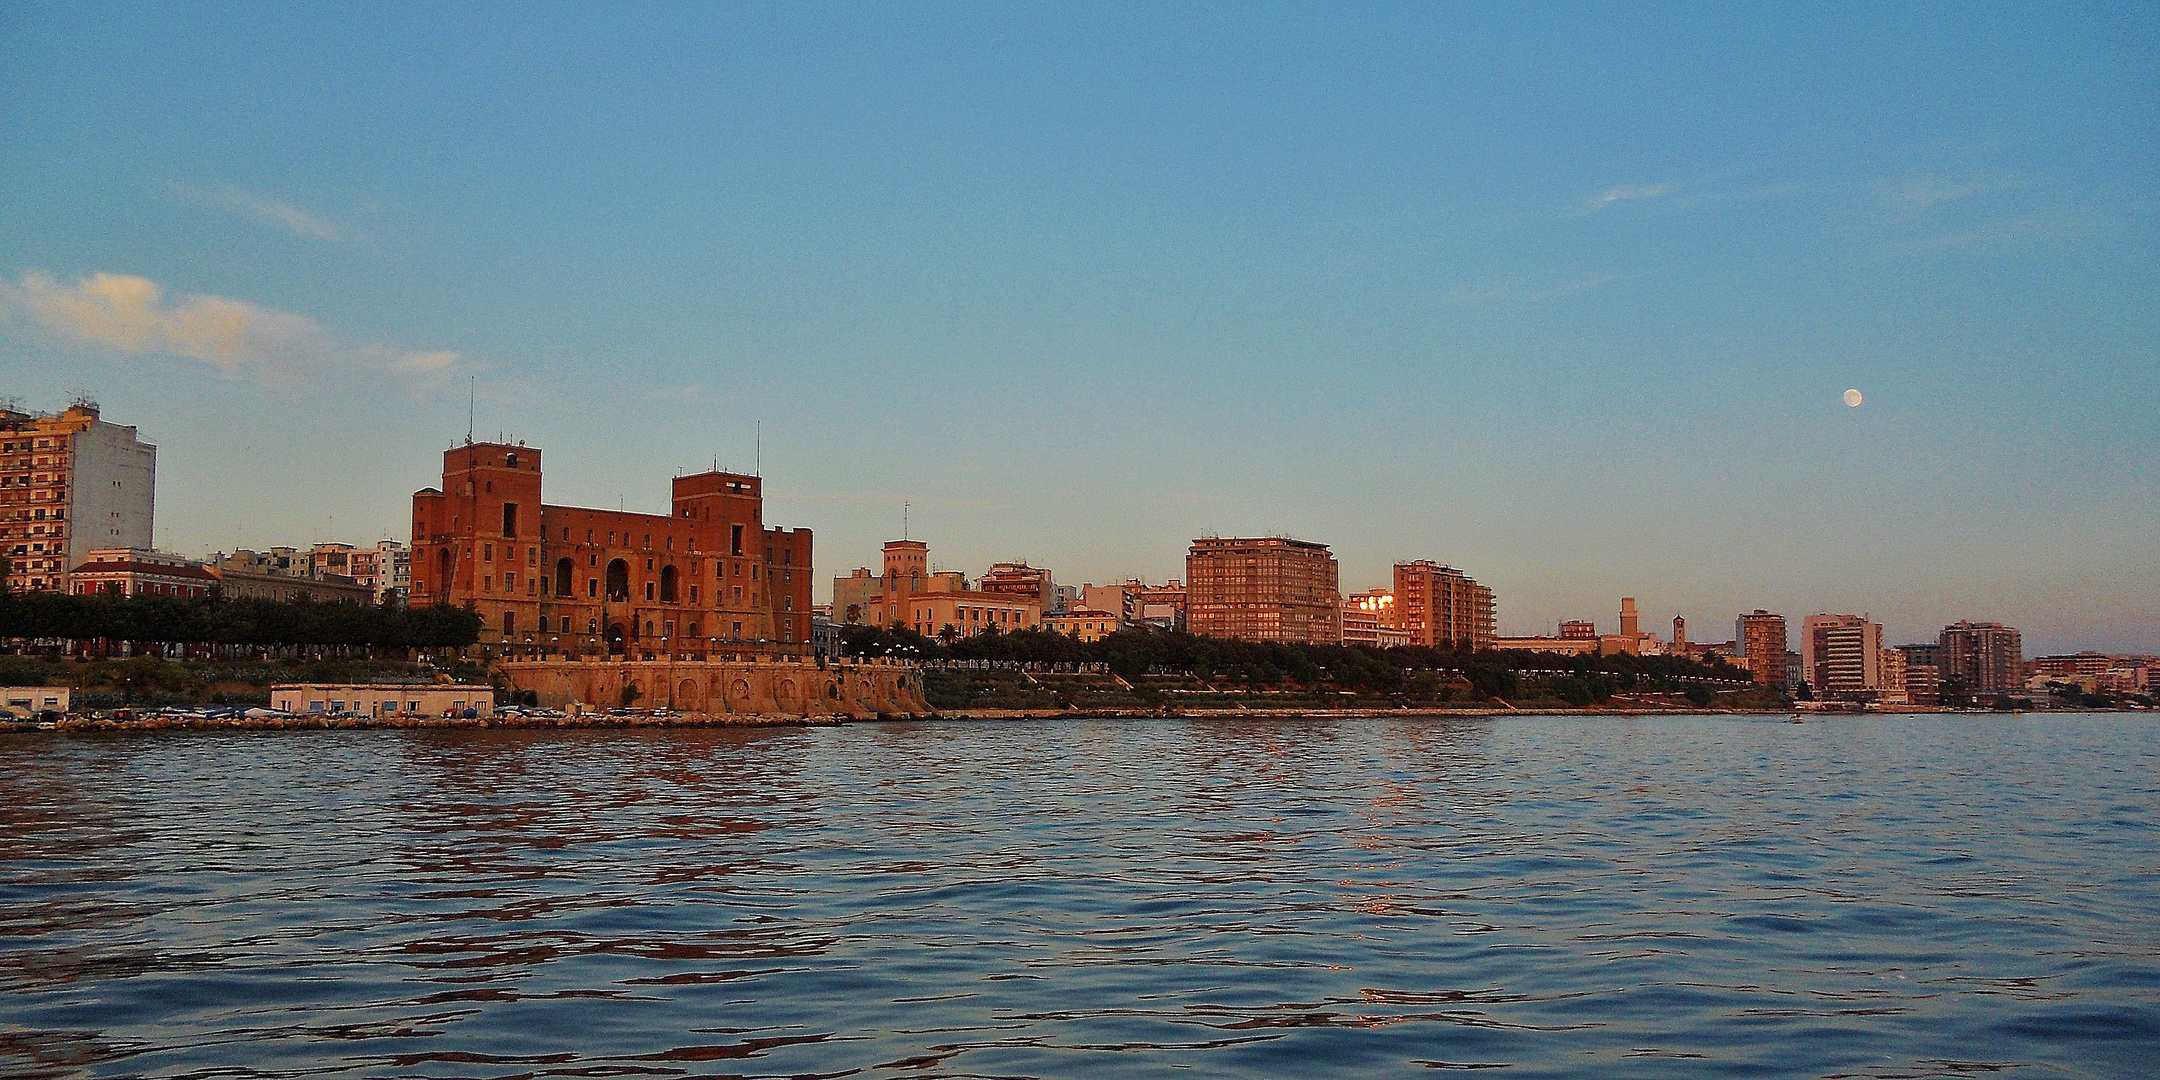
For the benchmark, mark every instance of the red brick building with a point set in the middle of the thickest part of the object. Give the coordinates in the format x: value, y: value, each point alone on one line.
x: 707, y: 578
x: 141, y: 572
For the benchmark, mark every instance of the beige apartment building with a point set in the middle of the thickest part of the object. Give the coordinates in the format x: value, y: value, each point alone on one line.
x: 1759, y: 643
x: 1894, y: 679
x: 1262, y: 589
x: 966, y: 614
x: 1441, y: 606
x: 385, y: 568
x: 1841, y: 655
x: 283, y: 574
x: 1021, y: 580
x: 70, y: 484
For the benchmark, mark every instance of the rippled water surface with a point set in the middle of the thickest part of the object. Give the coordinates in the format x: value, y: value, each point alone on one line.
x: 1887, y: 897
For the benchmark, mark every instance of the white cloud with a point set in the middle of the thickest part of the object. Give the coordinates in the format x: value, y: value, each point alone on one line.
x: 285, y: 215
x: 131, y: 315
x: 1627, y: 193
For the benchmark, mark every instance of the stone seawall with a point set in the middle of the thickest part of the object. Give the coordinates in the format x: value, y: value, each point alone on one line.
x: 721, y: 688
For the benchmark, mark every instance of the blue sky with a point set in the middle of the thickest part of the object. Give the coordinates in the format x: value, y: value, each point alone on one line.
x: 1565, y: 296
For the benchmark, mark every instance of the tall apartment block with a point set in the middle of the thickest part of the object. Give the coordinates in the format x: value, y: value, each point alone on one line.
x: 1923, y: 673
x: 1759, y: 638
x: 1441, y: 606
x: 1841, y: 654
x: 70, y: 484
x: 1988, y: 657
x: 708, y: 576
x: 1262, y: 589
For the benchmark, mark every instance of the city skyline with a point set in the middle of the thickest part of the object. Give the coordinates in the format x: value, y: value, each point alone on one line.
x: 1569, y: 304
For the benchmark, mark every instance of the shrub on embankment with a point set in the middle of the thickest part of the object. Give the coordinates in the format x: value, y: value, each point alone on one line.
x: 139, y: 681
x: 1224, y: 671
x: 100, y: 623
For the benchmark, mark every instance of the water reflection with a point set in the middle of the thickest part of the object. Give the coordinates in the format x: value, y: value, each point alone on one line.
x: 1256, y: 897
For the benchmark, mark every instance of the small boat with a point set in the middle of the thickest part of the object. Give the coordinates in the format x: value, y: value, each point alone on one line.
x: 1796, y: 719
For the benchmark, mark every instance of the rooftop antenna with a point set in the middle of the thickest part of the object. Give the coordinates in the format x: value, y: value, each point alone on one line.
x: 757, y: 452
x: 472, y: 400
x: 903, y: 520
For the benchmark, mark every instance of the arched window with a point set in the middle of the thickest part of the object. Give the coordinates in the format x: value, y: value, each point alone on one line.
x: 667, y: 585
x: 442, y: 576
x: 562, y: 577
x: 618, y: 580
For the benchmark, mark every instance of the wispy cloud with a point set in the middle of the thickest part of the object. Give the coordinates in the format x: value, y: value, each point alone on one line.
x: 1625, y: 193
x: 1511, y: 292
x: 130, y: 315
x: 232, y: 200
x: 2045, y: 225
x: 1919, y: 194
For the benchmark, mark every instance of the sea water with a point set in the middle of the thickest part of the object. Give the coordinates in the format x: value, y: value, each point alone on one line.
x: 1537, y: 896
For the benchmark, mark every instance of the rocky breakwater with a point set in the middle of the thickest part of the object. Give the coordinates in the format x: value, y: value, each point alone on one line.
x: 147, y: 722
x: 783, y: 686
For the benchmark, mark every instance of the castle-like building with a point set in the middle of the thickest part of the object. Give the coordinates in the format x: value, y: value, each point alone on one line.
x: 705, y: 580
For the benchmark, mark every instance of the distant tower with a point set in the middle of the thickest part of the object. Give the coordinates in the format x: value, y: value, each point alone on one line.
x: 1679, y: 636
x: 905, y: 559
x: 1629, y: 628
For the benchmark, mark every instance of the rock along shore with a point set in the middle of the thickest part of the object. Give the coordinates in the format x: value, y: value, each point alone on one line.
x: 703, y: 720
x: 76, y: 724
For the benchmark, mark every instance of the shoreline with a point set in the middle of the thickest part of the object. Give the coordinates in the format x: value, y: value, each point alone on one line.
x: 107, y: 724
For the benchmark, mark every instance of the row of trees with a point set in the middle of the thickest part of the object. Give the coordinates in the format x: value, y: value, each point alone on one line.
x: 1133, y: 653
x: 168, y: 620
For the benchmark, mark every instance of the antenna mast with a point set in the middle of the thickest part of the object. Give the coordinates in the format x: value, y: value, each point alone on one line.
x: 472, y: 399
x: 757, y: 452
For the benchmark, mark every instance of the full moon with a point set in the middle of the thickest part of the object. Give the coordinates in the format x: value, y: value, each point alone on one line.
x: 1853, y: 398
